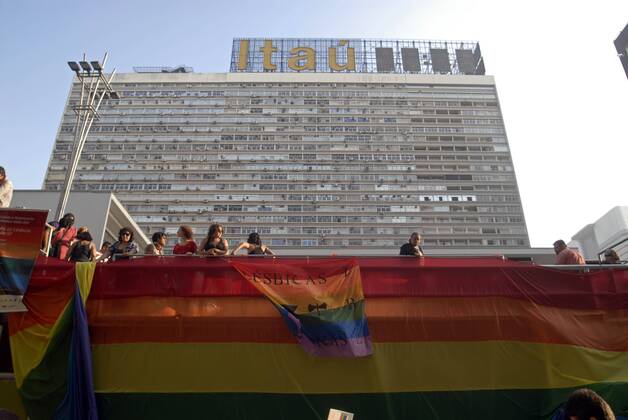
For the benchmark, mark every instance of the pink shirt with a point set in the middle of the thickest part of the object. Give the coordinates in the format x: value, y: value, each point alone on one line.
x: 569, y: 257
x: 63, y: 237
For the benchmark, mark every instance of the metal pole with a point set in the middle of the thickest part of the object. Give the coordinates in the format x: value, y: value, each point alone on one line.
x: 87, y: 125
x: 86, y: 112
x: 68, y: 175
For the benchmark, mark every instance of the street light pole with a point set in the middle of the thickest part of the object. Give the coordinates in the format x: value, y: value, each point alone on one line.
x: 94, y: 88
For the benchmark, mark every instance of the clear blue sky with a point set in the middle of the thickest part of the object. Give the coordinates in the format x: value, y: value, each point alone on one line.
x: 561, y: 86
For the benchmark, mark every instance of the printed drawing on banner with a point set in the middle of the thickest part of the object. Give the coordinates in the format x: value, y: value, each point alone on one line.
x: 321, y: 302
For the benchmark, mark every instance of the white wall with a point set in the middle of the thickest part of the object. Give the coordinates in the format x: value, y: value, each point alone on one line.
x: 608, y: 230
x: 100, y: 212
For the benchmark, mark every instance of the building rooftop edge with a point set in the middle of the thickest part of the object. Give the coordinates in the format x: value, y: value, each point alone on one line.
x: 226, y: 77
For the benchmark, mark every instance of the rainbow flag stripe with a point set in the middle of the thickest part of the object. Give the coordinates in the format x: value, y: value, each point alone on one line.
x: 481, y: 339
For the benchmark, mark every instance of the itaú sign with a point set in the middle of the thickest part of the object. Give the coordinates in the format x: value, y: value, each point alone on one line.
x: 355, y: 55
x: 270, y: 56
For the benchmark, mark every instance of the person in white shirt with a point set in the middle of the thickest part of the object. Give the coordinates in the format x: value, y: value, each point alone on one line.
x: 6, y: 189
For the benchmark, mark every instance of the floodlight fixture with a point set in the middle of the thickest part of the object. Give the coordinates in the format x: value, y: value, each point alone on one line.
x: 74, y: 66
x: 85, y: 65
x: 96, y: 65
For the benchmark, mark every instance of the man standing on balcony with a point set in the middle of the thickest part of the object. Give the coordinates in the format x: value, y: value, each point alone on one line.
x: 412, y: 247
x: 567, y: 256
x: 6, y: 189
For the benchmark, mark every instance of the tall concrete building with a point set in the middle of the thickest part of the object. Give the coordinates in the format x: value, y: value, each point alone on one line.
x: 318, y: 144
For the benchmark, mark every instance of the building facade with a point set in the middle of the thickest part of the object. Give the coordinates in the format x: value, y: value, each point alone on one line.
x: 309, y: 159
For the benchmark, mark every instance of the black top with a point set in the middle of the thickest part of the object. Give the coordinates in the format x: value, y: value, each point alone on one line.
x: 210, y: 245
x: 257, y: 250
x: 408, y: 249
x: 81, y: 253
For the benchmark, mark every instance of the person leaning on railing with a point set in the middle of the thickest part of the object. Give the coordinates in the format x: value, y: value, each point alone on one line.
x: 83, y: 249
x: 413, y: 246
x: 214, y: 244
x: 124, y: 247
x: 611, y: 257
x: 100, y: 255
x: 567, y: 256
x: 186, y: 244
x: 254, y: 246
x: 63, y: 237
x: 158, y: 244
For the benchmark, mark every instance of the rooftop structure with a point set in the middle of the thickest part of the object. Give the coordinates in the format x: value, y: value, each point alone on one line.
x: 608, y: 232
x: 101, y: 212
x: 163, y: 69
x: 286, y: 55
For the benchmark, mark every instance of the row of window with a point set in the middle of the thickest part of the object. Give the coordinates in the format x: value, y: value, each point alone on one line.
x: 387, y: 94
x: 343, y: 231
x: 220, y: 108
x: 297, y: 161
x: 160, y: 172
x: 99, y: 144
x: 373, y: 243
x: 237, y: 119
x: 165, y: 213
x: 381, y: 140
x: 80, y: 185
x: 161, y: 147
x: 101, y: 128
x: 296, y: 85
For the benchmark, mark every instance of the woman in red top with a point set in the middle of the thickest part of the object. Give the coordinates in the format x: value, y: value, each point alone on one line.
x: 62, y: 237
x: 186, y: 243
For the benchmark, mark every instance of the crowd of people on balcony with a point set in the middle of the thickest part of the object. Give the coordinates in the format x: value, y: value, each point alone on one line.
x: 72, y: 244
x: 76, y: 245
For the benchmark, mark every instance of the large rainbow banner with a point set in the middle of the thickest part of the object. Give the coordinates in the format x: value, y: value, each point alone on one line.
x: 50, y: 345
x: 451, y: 338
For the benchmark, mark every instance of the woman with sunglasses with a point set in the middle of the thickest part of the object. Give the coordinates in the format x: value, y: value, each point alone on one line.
x: 124, y: 247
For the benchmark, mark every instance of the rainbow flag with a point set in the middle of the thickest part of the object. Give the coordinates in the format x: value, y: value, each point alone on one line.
x: 50, y: 345
x: 451, y: 338
x: 321, y: 302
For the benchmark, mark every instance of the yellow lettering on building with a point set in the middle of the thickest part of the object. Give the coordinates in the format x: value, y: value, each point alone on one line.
x: 302, y: 53
x: 268, y: 51
x: 243, y: 60
x: 333, y: 58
